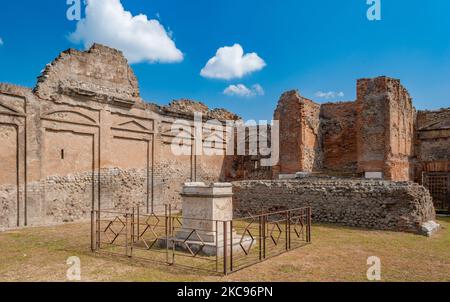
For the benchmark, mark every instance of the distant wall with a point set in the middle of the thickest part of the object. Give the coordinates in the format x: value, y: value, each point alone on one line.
x: 385, y: 126
x: 372, y: 107
x: 383, y: 205
x: 339, y: 137
x: 300, y: 135
x: 433, y: 141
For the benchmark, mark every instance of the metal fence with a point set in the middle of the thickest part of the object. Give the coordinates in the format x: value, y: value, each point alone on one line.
x: 215, y: 246
x: 438, y: 183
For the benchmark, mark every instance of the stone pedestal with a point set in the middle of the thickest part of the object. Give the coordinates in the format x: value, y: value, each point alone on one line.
x: 205, y: 208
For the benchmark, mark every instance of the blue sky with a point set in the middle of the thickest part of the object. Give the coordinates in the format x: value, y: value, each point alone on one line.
x: 321, y: 45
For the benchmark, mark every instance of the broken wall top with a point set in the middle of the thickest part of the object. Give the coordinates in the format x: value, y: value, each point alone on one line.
x: 187, y: 108
x: 382, y: 88
x: 433, y: 120
x: 100, y: 73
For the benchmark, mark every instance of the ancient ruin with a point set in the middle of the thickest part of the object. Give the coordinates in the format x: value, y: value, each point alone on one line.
x: 84, y: 139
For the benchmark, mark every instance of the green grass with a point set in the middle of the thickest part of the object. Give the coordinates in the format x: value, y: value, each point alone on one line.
x: 336, y: 254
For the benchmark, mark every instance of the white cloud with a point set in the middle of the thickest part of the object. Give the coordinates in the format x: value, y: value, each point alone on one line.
x: 230, y: 63
x: 1, y: 41
x: 243, y: 91
x: 140, y: 39
x: 329, y: 95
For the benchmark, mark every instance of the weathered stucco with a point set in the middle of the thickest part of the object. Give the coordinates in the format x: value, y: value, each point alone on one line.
x: 84, y: 139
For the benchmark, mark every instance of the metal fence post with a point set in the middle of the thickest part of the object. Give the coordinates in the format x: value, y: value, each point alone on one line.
x: 138, y: 224
x: 309, y: 225
x: 225, y: 253
x: 93, y: 231
x: 172, y: 233
x: 217, y: 246
x: 126, y: 234
x: 166, y: 218
x: 260, y: 237
x: 132, y: 233
x: 97, y: 236
x: 289, y: 226
x: 264, y: 236
x: 286, y: 225
x: 231, y: 245
x: 170, y: 220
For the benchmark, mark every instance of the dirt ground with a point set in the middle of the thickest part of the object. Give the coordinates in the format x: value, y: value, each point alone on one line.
x: 336, y: 254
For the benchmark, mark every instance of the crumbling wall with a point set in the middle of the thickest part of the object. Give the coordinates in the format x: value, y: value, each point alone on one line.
x: 339, y: 137
x: 101, y: 73
x: 400, y: 151
x: 371, y: 107
x: 250, y: 166
x: 85, y: 140
x: 8, y: 206
x: 300, y: 135
x: 433, y: 141
x: 311, y: 149
x: 383, y: 205
x: 13, y: 134
x: 385, y: 123
x: 245, y: 167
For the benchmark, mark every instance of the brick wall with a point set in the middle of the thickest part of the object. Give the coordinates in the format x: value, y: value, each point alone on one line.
x: 300, y: 135
x: 433, y: 141
x: 339, y: 137
x: 385, y: 125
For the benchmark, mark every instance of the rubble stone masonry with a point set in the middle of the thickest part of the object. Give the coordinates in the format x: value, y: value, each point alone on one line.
x: 382, y: 205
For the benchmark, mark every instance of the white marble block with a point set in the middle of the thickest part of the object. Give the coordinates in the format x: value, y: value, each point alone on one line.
x: 203, y: 205
x: 206, y: 207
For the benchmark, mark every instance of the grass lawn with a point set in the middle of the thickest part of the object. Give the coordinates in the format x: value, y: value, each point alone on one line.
x: 336, y: 254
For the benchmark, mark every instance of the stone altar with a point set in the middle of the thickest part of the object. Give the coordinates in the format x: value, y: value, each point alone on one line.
x: 206, y: 207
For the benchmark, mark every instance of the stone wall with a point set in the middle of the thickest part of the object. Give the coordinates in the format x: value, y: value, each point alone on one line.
x: 373, y: 134
x: 385, y: 128
x: 83, y: 139
x: 433, y: 141
x: 339, y: 137
x: 383, y: 205
x: 249, y: 166
x: 300, y: 135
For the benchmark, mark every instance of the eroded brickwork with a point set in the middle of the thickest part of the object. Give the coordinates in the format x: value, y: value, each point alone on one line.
x: 433, y: 142
x: 385, y: 122
x: 374, y: 134
x: 339, y: 137
x: 300, y: 135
